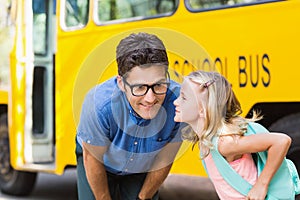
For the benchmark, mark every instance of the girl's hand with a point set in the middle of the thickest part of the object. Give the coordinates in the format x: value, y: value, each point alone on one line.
x: 258, y: 192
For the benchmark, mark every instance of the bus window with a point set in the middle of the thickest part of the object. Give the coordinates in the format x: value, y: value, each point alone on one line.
x: 112, y: 10
x: 39, y: 27
x: 196, y: 5
x: 75, y: 13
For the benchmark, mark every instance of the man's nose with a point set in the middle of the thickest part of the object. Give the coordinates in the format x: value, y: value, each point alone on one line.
x: 150, y: 96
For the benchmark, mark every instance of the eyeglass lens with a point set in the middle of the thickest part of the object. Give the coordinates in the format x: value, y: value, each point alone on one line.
x: 158, y: 88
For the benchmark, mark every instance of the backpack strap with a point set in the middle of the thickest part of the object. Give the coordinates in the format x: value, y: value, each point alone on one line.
x: 228, y: 173
x: 255, y: 128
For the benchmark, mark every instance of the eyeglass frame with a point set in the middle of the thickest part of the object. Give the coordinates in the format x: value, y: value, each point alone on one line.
x: 148, y: 86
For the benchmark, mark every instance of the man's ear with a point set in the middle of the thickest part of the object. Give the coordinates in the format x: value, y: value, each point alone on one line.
x: 120, y: 83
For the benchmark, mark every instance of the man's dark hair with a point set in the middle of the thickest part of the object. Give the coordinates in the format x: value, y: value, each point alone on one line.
x: 141, y: 49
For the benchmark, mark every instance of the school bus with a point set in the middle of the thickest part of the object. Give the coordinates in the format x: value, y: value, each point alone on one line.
x: 63, y: 48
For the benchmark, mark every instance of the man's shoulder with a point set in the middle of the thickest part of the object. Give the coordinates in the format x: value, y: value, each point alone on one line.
x: 174, y: 84
x: 102, y: 93
x: 174, y: 90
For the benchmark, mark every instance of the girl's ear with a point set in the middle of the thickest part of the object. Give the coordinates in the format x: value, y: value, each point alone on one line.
x: 120, y: 83
x: 201, y: 113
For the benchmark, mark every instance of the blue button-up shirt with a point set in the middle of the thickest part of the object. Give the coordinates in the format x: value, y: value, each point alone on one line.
x: 107, y: 119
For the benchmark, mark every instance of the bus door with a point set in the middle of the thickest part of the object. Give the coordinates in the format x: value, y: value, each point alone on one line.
x: 39, y: 120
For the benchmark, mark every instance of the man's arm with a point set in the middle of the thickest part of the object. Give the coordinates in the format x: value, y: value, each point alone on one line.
x: 160, y: 170
x: 95, y: 171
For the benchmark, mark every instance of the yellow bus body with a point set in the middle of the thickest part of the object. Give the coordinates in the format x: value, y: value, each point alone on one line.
x: 255, y: 46
x: 241, y: 32
x: 3, y: 97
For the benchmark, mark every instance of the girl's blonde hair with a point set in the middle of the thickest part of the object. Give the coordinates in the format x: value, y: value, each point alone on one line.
x: 222, y: 108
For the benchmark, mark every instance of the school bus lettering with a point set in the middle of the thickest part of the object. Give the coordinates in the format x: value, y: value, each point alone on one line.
x: 206, y: 65
x: 176, y: 67
x: 267, y: 78
x: 254, y: 70
x: 221, y: 65
x: 185, y: 66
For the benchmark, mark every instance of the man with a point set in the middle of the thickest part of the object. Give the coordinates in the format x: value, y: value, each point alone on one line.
x: 126, y: 138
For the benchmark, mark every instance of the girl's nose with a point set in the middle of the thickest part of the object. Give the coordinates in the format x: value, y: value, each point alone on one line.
x: 175, y: 102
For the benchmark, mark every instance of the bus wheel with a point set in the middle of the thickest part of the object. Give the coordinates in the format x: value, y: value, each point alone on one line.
x: 12, y: 182
x: 291, y: 126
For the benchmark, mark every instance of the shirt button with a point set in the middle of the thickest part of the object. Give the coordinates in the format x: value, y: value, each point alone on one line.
x: 126, y: 170
x: 135, y: 143
x: 131, y: 159
x: 88, y: 141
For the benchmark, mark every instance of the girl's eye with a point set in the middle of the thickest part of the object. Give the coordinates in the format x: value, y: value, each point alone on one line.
x: 183, y: 98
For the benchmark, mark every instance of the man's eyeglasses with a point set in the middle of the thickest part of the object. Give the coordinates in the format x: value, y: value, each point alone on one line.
x: 142, y: 89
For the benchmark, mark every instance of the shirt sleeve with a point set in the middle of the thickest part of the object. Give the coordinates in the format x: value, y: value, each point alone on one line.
x: 177, y: 132
x: 93, y: 126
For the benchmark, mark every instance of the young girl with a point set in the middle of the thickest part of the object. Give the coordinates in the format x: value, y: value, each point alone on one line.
x: 208, y: 104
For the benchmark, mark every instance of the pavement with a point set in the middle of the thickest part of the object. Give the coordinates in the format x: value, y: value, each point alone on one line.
x: 182, y: 187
